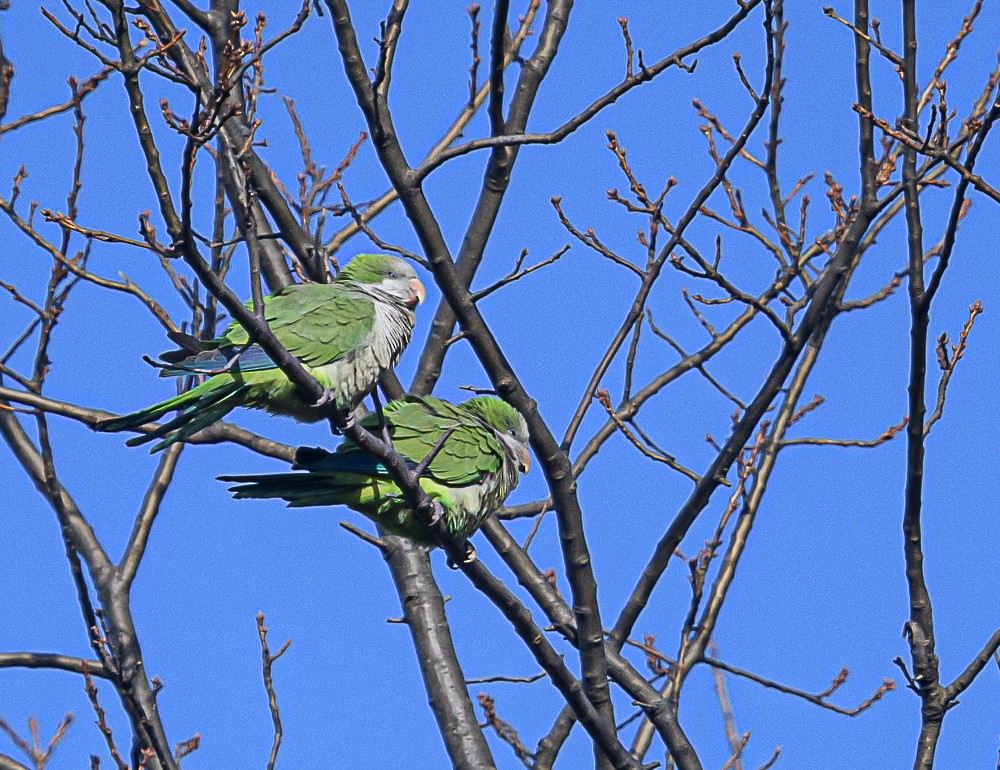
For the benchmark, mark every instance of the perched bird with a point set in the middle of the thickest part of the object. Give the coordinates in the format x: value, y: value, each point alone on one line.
x: 485, y: 444
x: 345, y: 333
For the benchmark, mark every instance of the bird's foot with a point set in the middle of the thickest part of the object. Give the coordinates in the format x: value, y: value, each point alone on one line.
x: 437, y: 513
x: 470, y: 556
x: 328, y: 397
x: 346, y: 415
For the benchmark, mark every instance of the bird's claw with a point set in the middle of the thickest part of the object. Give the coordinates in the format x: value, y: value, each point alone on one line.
x: 437, y: 516
x: 470, y: 556
x: 328, y: 397
x: 346, y: 415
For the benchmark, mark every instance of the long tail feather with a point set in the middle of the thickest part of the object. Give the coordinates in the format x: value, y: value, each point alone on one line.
x: 196, y: 408
x: 299, y: 490
x: 149, y: 414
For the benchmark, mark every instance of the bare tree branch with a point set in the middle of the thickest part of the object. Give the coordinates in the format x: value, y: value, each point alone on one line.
x: 55, y: 661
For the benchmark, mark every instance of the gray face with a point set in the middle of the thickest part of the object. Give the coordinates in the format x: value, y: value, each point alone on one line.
x: 515, y: 437
x: 399, y: 280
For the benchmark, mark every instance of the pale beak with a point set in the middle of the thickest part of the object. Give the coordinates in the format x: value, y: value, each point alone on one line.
x: 525, y: 461
x: 417, y: 293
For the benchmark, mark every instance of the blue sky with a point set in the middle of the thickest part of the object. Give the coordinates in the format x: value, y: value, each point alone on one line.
x: 821, y: 584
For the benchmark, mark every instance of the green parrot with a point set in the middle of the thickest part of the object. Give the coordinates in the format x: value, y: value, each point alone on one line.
x: 469, y: 478
x: 345, y: 333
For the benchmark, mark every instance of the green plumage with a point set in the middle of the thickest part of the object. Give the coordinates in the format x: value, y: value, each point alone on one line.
x: 316, y: 322
x: 345, y: 333
x: 470, y: 477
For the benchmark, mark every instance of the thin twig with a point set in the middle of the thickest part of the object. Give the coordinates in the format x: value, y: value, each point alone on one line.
x: 267, y: 661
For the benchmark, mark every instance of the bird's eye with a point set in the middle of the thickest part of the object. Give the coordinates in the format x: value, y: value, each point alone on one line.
x: 513, y: 432
x: 390, y: 274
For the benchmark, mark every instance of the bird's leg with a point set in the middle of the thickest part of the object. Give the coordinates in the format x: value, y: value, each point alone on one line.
x: 437, y: 516
x: 470, y: 556
x: 437, y: 513
x: 383, y: 426
x: 328, y: 397
x: 346, y: 415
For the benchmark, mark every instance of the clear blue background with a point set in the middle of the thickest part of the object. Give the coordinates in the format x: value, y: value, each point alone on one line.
x: 821, y: 584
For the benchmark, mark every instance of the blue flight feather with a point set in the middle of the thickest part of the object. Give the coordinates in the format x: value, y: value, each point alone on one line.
x: 252, y: 359
x: 315, y: 459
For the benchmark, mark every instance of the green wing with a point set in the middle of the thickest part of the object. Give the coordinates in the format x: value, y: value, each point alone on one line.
x: 417, y: 424
x: 317, y: 323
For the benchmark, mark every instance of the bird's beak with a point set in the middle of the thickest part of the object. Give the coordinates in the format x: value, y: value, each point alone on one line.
x: 526, y: 461
x: 417, y: 293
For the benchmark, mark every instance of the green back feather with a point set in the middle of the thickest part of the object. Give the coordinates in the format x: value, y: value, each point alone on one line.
x: 417, y: 424
x: 317, y: 323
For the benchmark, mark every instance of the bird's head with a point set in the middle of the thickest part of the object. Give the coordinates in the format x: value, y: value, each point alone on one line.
x: 392, y: 275
x: 507, y: 422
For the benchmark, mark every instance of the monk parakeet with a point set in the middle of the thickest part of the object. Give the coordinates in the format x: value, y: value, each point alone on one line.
x: 474, y: 471
x: 345, y: 333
